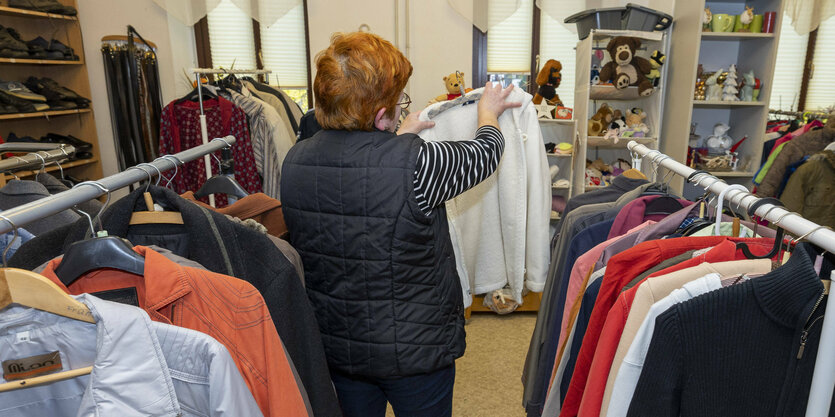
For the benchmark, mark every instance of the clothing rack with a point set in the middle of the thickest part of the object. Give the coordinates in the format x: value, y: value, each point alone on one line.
x: 798, y: 113
x: 41, y: 157
x: 793, y: 223
x: 203, y: 130
x: 56, y: 203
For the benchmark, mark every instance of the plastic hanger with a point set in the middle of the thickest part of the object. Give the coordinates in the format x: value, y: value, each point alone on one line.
x: 28, y: 289
x: 101, y: 251
x: 223, y: 183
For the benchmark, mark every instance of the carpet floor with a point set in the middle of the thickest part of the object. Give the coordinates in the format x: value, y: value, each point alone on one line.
x: 488, y: 376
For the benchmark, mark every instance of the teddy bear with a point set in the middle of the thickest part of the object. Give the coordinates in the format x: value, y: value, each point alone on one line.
x: 600, y: 120
x: 454, y: 84
x: 656, y: 60
x: 635, y: 126
x: 626, y: 67
x: 548, y: 80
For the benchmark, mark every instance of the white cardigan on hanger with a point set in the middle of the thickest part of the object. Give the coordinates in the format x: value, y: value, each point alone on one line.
x: 499, y: 228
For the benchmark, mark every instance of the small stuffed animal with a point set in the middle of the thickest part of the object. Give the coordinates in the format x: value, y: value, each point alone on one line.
x: 615, y: 131
x: 626, y: 67
x: 600, y: 120
x: 548, y: 80
x: 747, y: 93
x: 714, y: 89
x: 708, y: 16
x: 657, y: 59
x: 596, y: 62
x: 454, y: 84
x: 635, y: 126
x: 719, y: 141
x: 746, y: 18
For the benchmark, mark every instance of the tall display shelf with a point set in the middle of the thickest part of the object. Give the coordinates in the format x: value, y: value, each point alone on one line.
x: 715, y: 50
x: 588, y: 98
x: 556, y: 131
x: 71, y: 74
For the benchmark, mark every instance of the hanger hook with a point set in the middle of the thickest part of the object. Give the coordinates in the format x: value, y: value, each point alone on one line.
x: 224, y: 140
x: 89, y: 219
x: 176, y: 162
x: 106, y: 201
x: 805, y: 235
x: 167, y: 179
x: 43, y: 163
x: 148, y: 173
x: 14, y: 238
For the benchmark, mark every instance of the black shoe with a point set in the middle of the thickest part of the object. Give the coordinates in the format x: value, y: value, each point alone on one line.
x: 7, y: 109
x: 39, y: 47
x: 69, y: 140
x: 21, y: 105
x: 25, y: 139
x: 65, y: 51
x: 45, y: 6
x: 54, y: 91
x: 61, y: 105
x: 10, y: 45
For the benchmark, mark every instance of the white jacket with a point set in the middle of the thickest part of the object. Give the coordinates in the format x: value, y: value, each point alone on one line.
x: 499, y: 228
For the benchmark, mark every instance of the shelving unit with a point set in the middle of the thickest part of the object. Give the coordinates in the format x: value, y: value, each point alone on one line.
x: 556, y: 131
x: 588, y: 98
x: 715, y: 50
x: 71, y: 74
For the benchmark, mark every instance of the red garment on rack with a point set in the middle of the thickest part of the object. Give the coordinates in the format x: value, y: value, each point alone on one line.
x: 180, y: 130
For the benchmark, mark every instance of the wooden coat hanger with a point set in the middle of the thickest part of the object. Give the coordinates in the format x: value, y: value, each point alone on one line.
x: 152, y: 216
x: 634, y: 174
x: 28, y: 289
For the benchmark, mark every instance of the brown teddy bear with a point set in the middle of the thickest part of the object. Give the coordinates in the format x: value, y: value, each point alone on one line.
x: 626, y: 68
x: 548, y: 80
x: 454, y: 84
x: 600, y: 121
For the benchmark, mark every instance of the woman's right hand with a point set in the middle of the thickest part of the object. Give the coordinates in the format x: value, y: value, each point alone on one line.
x: 493, y: 103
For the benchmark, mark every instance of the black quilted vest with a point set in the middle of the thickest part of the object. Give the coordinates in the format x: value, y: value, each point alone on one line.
x: 380, y: 274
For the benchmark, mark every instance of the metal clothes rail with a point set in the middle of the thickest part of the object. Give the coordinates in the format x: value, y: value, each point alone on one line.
x: 822, y: 380
x: 798, y: 113
x: 35, y: 159
x: 56, y: 203
x: 203, y: 129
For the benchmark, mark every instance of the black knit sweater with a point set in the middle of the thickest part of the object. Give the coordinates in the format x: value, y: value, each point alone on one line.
x: 734, y: 351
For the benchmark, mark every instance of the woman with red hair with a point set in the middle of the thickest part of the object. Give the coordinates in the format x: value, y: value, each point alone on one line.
x: 364, y: 205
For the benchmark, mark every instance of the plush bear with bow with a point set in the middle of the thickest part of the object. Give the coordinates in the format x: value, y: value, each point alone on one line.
x: 626, y: 67
x: 454, y: 84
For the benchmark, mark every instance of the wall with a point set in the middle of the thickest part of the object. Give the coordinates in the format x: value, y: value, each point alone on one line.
x: 439, y: 40
x: 176, y: 51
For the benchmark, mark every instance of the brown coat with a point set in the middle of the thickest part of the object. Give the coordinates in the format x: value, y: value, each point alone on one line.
x: 811, y: 189
x: 806, y: 144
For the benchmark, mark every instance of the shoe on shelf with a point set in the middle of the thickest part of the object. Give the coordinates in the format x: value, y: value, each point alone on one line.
x: 26, y: 139
x: 10, y: 45
x: 7, y: 109
x: 45, y: 6
x: 65, y: 51
x: 61, y: 105
x: 69, y: 140
x: 19, y: 90
x: 54, y: 91
x: 40, y: 47
x: 22, y: 106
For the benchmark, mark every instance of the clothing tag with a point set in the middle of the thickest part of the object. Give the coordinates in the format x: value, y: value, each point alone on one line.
x: 22, y: 337
x: 32, y: 366
x: 785, y: 259
x: 127, y: 296
x: 818, y: 264
x: 826, y: 283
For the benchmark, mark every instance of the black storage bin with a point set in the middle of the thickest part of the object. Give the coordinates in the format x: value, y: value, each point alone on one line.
x: 608, y: 18
x: 645, y: 19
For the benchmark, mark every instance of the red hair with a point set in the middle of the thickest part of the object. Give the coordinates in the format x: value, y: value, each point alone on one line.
x: 358, y: 74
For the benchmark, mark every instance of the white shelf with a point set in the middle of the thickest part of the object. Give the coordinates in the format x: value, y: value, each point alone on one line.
x: 735, y: 35
x: 601, y: 142
x: 720, y: 103
x: 556, y: 121
x: 609, y: 92
x: 612, y: 33
x: 559, y: 187
x: 557, y: 155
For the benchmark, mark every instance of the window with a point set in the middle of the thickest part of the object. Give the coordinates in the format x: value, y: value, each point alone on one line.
x: 509, y: 42
x: 790, y: 90
x: 237, y: 41
x: 557, y: 42
x: 821, y: 90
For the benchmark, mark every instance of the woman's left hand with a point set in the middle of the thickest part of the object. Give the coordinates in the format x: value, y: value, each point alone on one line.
x: 413, y: 124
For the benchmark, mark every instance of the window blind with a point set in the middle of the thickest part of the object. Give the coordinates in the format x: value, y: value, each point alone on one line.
x: 788, y: 69
x: 509, y: 42
x: 283, y: 49
x: 231, y: 37
x: 822, y: 83
x: 557, y: 42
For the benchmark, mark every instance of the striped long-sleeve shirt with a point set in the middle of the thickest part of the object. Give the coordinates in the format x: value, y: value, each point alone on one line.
x: 447, y: 169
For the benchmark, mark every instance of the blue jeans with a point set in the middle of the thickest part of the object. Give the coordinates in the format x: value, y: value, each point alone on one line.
x: 426, y: 395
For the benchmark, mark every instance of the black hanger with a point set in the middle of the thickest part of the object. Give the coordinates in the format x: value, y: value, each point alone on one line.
x: 223, y: 183
x: 778, y: 239
x: 663, y: 205
x: 97, y: 253
x: 193, y: 96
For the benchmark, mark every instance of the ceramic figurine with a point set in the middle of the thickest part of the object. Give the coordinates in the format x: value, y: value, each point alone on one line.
x: 747, y: 93
x: 746, y: 18
x: 714, y: 89
x: 729, y: 87
x: 706, y: 18
x: 719, y: 141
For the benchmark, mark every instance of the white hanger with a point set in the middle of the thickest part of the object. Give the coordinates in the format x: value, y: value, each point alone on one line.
x: 721, y: 198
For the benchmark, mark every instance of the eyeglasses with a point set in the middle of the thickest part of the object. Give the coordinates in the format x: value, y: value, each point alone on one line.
x: 405, y: 102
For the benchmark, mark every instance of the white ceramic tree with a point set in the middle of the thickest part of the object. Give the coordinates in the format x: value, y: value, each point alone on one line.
x: 729, y: 90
